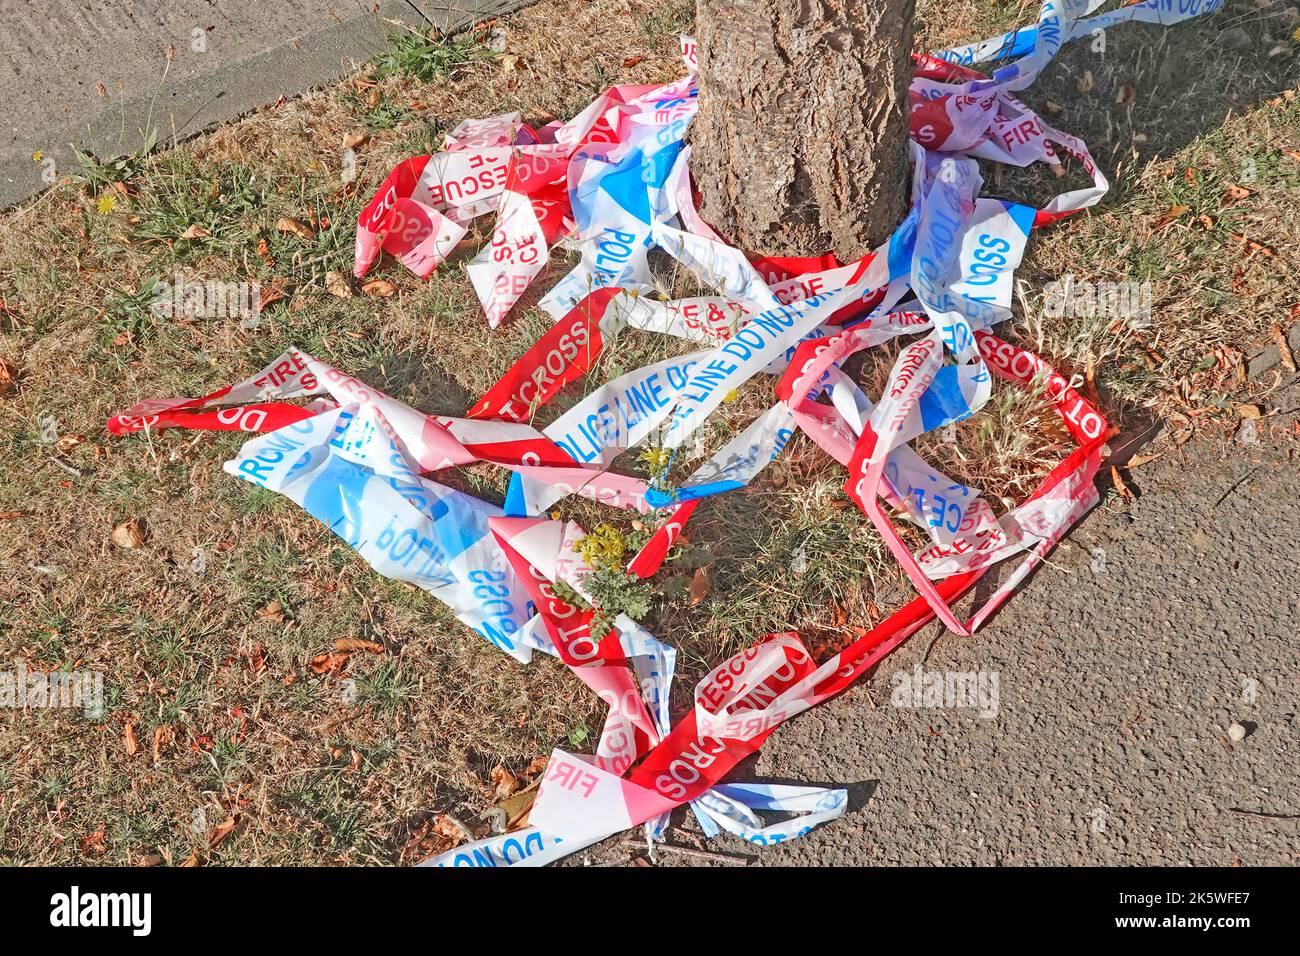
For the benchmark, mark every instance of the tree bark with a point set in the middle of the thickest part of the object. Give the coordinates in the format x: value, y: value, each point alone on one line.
x: 799, y: 147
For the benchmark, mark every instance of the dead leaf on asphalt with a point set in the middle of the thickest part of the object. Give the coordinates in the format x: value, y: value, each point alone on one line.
x: 1124, y: 490
x: 1137, y: 461
x: 295, y: 226
x: 1283, y: 348
x: 130, y: 534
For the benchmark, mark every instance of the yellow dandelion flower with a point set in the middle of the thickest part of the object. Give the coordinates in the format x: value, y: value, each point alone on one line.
x: 105, y: 204
x: 38, y: 156
x: 731, y: 396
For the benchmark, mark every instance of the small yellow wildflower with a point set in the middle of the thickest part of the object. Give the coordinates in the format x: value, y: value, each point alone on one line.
x: 655, y: 459
x: 38, y: 156
x: 105, y: 204
x: 731, y: 396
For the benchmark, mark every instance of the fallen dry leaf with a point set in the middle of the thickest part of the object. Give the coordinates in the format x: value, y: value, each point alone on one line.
x: 130, y: 534
x: 295, y: 226
x: 380, y: 288
x: 517, y: 807
x: 700, y: 586
x: 190, y: 861
x: 1170, y: 214
x: 1253, y: 246
x: 346, y: 645
x: 269, y: 296
x: 273, y: 611
x: 11, y: 515
x: 257, y: 660
x: 163, y: 736
x: 1127, y: 94
x: 1085, y: 82
x: 1236, y: 192
x: 1283, y: 348
x: 537, y: 765
x: 353, y: 140
x: 67, y: 443
x: 1137, y: 461
x: 338, y: 285
x: 633, y: 60
x: 503, y: 782
x: 328, y: 663
x: 8, y: 376
x: 195, y: 232
x: 223, y: 830
x: 1250, y: 411
x: 448, y: 826
x: 93, y: 843
x: 128, y: 738
x: 1124, y: 490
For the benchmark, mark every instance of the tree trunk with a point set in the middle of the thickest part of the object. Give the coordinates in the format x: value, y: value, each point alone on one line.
x: 799, y: 147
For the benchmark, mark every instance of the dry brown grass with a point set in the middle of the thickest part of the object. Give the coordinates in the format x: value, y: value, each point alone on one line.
x: 318, y: 775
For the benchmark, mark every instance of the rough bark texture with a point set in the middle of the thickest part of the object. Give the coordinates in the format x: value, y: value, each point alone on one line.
x: 800, y: 142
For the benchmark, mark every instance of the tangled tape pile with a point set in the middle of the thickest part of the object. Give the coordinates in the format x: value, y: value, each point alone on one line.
x: 614, y: 180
